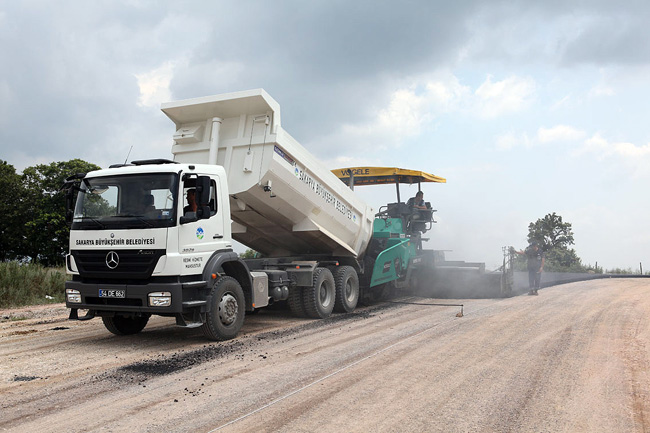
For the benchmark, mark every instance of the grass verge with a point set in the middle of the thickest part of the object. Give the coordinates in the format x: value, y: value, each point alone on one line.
x: 30, y: 284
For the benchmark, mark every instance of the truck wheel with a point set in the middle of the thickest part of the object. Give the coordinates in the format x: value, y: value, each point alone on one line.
x: 319, y: 299
x: 347, y: 289
x: 296, y: 301
x: 227, y: 310
x: 120, y: 325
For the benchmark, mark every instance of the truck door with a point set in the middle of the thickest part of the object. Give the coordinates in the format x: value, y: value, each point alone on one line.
x: 199, y: 238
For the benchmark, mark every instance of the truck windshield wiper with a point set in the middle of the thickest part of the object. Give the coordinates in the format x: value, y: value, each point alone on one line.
x: 139, y: 217
x: 86, y: 218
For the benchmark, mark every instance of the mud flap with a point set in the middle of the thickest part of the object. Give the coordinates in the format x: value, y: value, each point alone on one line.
x: 74, y: 315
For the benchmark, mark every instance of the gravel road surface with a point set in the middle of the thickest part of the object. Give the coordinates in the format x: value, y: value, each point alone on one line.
x: 575, y: 358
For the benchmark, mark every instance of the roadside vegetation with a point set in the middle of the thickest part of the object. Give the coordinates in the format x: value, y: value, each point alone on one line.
x: 627, y: 271
x: 555, y: 237
x: 30, y: 284
x: 33, y: 227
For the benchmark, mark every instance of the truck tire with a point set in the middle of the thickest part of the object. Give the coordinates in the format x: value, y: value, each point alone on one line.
x: 296, y: 301
x: 227, y: 310
x: 347, y: 289
x: 320, y: 298
x: 120, y: 325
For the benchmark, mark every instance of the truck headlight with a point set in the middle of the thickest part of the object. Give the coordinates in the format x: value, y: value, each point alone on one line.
x: 73, y: 296
x: 160, y: 299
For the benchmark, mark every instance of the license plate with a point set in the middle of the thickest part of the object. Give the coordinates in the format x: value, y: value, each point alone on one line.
x: 104, y: 293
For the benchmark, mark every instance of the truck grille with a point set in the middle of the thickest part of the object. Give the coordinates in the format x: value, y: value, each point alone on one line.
x: 131, y: 264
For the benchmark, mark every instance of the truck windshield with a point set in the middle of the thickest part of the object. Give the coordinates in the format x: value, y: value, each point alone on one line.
x: 127, y: 201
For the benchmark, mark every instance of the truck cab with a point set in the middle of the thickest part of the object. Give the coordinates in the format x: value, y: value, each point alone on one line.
x: 136, y: 249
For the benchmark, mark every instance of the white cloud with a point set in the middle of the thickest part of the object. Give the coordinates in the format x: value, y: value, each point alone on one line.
x: 511, y: 140
x: 629, y: 150
x: 428, y: 97
x: 636, y: 159
x: 506, y: 96
x: 347, y: 161
x: 446, y: 94
x: 559, y: 133
x: 409, y: 110
x: 601, y: 90
x: 405, y: 113
x: 596, y: 144
x: 154, y: 85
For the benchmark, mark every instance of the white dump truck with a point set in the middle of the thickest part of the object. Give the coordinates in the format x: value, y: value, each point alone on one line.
x: 155, y: 237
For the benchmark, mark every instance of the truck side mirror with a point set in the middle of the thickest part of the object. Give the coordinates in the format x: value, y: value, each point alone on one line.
x: 69, y: 204
x: 203, y: 191
x: 203, y: 212
x: 70, y: 186
x: 203, y: 197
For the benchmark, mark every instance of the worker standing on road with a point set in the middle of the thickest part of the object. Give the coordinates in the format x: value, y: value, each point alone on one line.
x: 536, y: 259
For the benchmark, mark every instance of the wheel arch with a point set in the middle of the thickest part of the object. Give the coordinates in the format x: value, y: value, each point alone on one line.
x: 231, y: 265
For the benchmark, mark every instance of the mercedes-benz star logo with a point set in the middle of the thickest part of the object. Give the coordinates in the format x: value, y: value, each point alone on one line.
x: 112, y: 260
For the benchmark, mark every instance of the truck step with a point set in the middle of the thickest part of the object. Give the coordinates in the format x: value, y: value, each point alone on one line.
x: 192, y: 304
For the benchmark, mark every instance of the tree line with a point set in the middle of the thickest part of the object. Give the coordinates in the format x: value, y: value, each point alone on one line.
x: 32, y: 205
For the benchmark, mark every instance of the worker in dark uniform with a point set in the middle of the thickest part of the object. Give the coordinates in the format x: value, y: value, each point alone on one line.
x: 417, y: 202
x: 536, y: 259
x: 418, y: 208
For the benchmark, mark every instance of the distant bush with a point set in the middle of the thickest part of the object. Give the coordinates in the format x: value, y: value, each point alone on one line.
x: 249, y: 254
x: 622, y: 271
x: 30, y: 284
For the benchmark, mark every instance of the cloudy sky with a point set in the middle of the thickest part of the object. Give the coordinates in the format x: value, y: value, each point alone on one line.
x: 526, y: 107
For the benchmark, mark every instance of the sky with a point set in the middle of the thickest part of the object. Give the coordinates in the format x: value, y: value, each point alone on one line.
x: 525, y: 107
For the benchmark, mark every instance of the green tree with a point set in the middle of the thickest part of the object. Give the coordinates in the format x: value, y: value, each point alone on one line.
x: 46, y: 235
x: 11, y: 209
x: 554, y: 236
x: 551, y: 232
x: 561, y: 259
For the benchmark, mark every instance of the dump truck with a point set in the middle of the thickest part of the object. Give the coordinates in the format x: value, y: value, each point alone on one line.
x: 155, y: 237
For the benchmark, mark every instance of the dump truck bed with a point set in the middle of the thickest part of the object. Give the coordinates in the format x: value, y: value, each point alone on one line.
x: 283, y: 201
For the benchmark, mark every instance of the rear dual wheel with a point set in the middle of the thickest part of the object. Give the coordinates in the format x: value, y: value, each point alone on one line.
x: 296, y: 301
x: 337, y: 290
x: 319, y: 299
x: 347, y: 289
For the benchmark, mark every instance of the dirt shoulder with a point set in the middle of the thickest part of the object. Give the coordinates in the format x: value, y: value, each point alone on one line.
x: 33, y: 312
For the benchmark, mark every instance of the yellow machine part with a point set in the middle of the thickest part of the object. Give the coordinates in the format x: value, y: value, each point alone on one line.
x: 384, y: 175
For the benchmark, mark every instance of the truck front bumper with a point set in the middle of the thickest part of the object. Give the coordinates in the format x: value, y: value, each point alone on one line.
x: 136, y: 299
